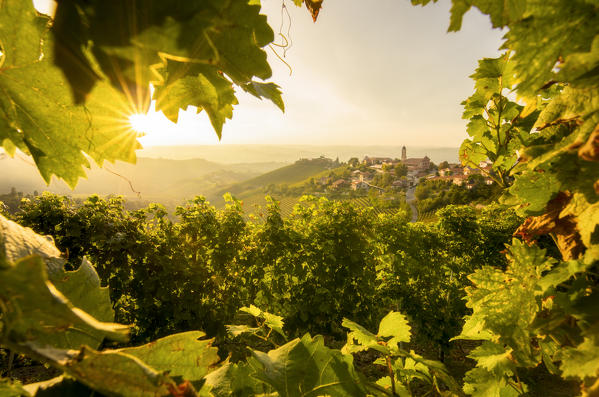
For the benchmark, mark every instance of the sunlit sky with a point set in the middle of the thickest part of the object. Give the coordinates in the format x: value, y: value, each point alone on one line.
x: 367, y: 73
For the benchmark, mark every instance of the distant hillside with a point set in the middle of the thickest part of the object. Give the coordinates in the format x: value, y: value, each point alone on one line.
x: 291, y: 174
x: 155, y: 179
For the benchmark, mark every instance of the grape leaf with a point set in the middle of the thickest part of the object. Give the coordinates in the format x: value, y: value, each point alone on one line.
x: 236, y: 330
x: 81, y: 287
x: 505, y: 301
x: 359, y: 339
x: 492, y: 357
x: 183, y: 355
x: 580, y: 361
x: 17, y: 242
x: 203, y: 87
x: 481, y: 382
x: 306, y: 367
x: 272, y: 321
x: 38, y: 106
x: 534, y: 190
x: 501, y: 12
x: 395, y: 326
x: 109, y: 372
x: 37, y: 310
x: 163, y: 42
x: 233, y: 380
x: 269, y: 91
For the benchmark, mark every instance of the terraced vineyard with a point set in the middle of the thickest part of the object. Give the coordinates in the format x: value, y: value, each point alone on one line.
x: 367, y: 203
x: 254, y: 204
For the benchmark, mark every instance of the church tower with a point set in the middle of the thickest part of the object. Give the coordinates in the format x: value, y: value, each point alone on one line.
x: 404, y: 156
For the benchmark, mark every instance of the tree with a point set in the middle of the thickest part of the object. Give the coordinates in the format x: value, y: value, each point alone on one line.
x: 443, y: 164
x: 401, y: 170
x: 354, y: 162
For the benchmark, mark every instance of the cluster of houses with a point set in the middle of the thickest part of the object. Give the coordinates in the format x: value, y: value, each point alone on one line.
x: 460, y: 176
x: 417, y: 168
x: 362, y: 179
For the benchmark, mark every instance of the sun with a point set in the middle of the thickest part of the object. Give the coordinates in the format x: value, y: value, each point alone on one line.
x: 143, y: 123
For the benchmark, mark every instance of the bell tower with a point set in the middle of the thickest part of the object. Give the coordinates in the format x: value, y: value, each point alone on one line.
x: 404, y: 156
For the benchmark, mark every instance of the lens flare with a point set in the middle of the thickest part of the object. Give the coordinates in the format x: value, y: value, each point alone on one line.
x: 142, y: 123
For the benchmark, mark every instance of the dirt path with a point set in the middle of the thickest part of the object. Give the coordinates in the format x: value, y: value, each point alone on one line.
x: 411, y: 199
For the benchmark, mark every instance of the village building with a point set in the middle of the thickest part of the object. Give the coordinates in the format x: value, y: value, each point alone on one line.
x: 470, y: 171
x: 377, y: 160
x: 338, y: 183
x: 420, y: 164
x: 356, y: 185
x: 460, y: 180
x: 451, y: 170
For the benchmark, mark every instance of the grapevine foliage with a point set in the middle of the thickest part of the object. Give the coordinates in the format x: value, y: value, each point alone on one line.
x: 36, y: 319
x: 539, y: 310
x: 83, y: 71
x: 70, y: 83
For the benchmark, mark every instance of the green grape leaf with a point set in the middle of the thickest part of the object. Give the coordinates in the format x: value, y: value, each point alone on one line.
x: 269, y: 91
x: 274, y: 322
x: 306, y: 367
x: 534, y: 190
x: 502, y: 12
x: 17, y: 242
x: 131, y: 41
x: 37, y: 103
x: 493, y: 357
x: 192, y: 52
x: 359, y: 339
x: 588, y: 221
x: 108, y: 372
x: 183, y: 355
x: 472, y: 153
x: 82, y: 287
x: 270, y: 320
x: 569, y: 104
x: 253, y: 310
x: 232, y: 380
x: 400, y: 389
x: 37, y: 310
x: 506, y: 301
x: 475, y: 105
x: 474, y: 329
x: 204, y: 88
x: 481, y: 382
x: 549, y: 33
x: 562, y: 272
x: 395, y: 326
x: 580, y: 69
x: 580, y: 361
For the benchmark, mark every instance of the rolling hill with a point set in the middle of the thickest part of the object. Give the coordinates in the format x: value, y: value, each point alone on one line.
x: 294, y: 173
x: 151, y: 179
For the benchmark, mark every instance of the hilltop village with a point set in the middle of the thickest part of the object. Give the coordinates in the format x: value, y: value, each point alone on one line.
x: 384, y: 173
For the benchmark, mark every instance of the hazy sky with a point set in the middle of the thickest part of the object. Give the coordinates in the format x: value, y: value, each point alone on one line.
x: 371, y: 72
